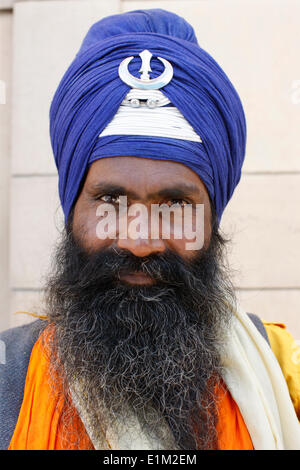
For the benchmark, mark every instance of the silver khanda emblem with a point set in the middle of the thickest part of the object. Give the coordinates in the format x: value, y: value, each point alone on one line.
x: 145, y: 82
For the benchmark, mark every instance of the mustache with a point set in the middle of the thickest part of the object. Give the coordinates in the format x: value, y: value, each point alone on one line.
x: 106, y: 266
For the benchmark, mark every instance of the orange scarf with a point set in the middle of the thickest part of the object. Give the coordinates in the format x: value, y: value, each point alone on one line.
x: 39, y: 425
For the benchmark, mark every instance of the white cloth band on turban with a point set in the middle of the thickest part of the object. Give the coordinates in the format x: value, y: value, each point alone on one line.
x: 160, y: 121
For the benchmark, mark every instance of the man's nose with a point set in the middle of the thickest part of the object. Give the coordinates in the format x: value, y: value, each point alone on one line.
x: 141, y: 247
x: 140, y: 242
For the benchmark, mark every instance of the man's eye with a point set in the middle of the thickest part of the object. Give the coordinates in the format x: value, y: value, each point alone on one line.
x: 109, y: 198
x: 177, y: 202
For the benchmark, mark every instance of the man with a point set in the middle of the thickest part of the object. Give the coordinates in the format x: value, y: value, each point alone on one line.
x: 144, y: 345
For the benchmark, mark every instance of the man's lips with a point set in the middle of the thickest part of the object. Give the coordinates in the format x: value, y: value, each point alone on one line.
x: 138, y: 278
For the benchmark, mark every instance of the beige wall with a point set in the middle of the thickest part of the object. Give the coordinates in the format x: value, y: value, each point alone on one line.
x: 5, y: 117
x: 256, y: 42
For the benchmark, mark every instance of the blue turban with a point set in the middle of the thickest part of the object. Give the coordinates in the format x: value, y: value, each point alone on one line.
x: 91, y: 92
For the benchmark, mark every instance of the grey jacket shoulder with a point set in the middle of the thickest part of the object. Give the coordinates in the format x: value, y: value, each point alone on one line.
x: 16, y: 345
x: 259, y: 325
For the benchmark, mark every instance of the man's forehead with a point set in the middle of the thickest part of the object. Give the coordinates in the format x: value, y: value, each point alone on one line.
x: 152, y: 176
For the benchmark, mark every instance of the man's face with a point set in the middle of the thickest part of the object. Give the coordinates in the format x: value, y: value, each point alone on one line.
x: 144, y: 181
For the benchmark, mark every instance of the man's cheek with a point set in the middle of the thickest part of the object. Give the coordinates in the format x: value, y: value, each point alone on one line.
x: 86, y: 231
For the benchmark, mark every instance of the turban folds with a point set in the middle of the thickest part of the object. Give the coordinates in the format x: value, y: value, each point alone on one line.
x: 91, y: 91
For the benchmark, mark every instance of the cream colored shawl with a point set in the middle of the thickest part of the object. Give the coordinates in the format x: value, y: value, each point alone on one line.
x: 255, y: 381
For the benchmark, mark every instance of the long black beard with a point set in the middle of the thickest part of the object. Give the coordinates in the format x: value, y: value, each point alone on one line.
x: 156, y: 346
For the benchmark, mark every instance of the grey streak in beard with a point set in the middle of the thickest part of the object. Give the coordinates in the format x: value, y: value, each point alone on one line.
x: 144, y: 347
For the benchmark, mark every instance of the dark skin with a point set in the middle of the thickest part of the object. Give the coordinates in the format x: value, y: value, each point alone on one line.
x: 142, y: 180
